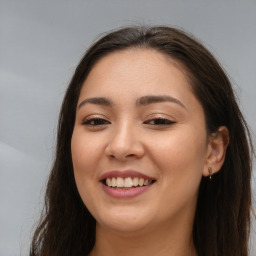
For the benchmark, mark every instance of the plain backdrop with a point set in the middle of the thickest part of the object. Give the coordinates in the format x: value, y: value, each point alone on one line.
x: 41, y: 42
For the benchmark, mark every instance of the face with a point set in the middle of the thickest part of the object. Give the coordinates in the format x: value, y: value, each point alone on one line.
x: 139, y: 144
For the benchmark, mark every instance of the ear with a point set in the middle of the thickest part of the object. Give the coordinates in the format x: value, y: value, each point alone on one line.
x: 216, y: 150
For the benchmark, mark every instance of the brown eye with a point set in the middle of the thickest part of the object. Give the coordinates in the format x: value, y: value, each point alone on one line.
x: 159, y: 121
x: 95, y: 122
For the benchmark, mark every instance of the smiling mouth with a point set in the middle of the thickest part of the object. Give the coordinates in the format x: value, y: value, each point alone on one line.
x: 127, y: 183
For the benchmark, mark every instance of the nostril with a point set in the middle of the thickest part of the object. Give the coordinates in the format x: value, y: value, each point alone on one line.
x: 130, y: 155
x: 122, y: 156
x: 125, y: 148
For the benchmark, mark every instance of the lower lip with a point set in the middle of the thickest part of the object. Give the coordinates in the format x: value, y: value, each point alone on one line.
x: 125, y: 193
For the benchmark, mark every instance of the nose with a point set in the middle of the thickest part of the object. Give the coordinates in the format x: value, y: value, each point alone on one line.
x: 125, y: 143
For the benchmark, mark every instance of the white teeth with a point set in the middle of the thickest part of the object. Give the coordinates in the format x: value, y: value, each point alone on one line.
x: 141, y: 182
x: 135, y: 181
x: 114, y: 182
x: 120, y: 182
x: 109, y: 182
x: 127, y: 182
x: 146, y: 182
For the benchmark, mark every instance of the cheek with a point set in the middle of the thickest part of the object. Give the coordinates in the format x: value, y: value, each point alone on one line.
x: 181, y: 149
x: 85, y: 152
x: 181, y: 158
x: 180, y: 161
x: 84, y: 158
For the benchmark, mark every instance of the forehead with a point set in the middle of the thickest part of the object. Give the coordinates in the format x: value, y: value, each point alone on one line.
x: 136, y: 68
x: 124, y: 77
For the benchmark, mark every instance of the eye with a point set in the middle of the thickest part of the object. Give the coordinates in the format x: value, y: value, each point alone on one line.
x: 95, y: 122
x: 159, y: 122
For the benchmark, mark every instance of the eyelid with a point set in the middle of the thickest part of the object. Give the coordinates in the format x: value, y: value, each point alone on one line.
x: 165, y: 123
x: 157, y: 116
x: 100, y: 121
x: 95, y: 117
x: 160, y: 116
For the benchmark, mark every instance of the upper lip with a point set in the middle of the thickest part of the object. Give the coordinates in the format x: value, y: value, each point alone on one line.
x: 124, y: 174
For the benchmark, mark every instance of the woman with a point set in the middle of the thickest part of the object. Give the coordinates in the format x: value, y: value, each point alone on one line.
x: 153, y: 154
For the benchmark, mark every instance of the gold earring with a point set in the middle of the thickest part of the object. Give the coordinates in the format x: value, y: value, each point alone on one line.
x: 210, y: 173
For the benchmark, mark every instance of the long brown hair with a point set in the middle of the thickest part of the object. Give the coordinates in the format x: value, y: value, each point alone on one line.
x: 222, y: 220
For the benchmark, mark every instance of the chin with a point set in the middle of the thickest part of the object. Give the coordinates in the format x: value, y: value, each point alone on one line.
x: 125, y: 221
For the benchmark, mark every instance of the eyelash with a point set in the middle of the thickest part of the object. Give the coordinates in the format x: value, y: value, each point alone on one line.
x: 160, y: 122
x: 96, y: 122
x: 101, y: 121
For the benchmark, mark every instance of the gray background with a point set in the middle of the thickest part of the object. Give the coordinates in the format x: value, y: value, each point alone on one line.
x: 40, y: 44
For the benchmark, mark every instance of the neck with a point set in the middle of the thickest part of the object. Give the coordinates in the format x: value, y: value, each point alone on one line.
x: 153, y: 241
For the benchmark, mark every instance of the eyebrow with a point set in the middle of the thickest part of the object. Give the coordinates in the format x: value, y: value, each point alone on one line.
x: 142, y: 101
x: 146, y: 100
x: 97, y: 101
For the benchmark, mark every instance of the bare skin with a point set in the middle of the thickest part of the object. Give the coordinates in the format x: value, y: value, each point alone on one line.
x: 118, y: 127
x: 159, y: 242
